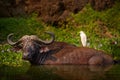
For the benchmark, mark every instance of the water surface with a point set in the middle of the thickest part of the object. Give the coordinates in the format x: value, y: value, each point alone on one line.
x: 60, y: 72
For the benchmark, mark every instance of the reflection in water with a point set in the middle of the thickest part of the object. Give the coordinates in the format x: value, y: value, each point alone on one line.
x: 60, y: 72
x: 78, y: 72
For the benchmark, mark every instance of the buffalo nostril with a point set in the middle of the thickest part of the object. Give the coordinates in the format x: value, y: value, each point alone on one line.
x: 23, y: 57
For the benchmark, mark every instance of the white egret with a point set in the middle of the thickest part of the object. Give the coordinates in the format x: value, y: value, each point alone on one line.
x: 83, y: 38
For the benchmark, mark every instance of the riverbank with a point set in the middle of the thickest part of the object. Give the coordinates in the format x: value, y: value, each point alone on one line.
x: 102, y: 29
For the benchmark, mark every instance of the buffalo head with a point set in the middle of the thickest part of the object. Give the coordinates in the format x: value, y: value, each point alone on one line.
x: 30, y: 45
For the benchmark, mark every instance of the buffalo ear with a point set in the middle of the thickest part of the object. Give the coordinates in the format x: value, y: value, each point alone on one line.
x: 44, y: 49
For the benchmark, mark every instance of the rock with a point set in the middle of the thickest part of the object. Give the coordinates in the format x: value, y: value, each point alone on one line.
x: 50, y: 11
x: 100, y: 5
x: 10, y: 8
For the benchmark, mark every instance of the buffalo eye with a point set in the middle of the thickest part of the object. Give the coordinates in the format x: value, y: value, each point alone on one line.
x: 17, y: 48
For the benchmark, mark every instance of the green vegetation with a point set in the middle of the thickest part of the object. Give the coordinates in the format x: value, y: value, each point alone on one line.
x: 7, y: 57
x: 102, y: 29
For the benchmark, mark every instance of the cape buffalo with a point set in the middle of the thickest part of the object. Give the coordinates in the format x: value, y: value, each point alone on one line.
x: 38, y: 51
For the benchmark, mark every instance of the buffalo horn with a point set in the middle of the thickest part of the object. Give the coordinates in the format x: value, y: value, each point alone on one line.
x: 10, y: 41
x: 50, y: 41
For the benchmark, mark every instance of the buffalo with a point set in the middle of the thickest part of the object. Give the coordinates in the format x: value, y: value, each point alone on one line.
x: 38, y: 52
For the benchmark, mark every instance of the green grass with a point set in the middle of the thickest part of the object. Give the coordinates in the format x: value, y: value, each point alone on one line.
x: 8, y: 57
x: 102, y: 29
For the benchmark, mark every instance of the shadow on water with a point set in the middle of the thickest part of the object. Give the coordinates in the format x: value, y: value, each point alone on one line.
x: 60, y: 72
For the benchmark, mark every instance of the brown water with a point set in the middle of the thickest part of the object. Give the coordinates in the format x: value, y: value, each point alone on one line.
x: 60, y: 72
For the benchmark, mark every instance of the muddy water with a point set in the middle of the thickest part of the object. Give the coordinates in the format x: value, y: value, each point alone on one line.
x: 60, y: 72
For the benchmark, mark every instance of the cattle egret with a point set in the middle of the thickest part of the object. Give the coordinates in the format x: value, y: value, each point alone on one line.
x: 83, y: 38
